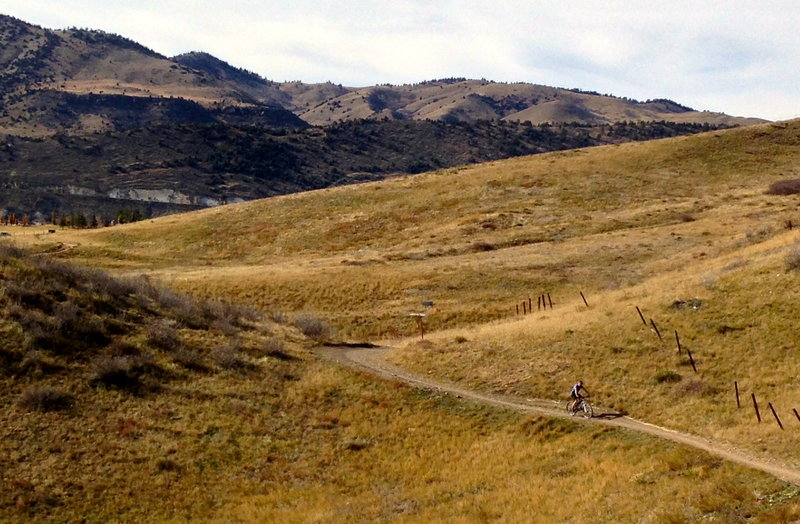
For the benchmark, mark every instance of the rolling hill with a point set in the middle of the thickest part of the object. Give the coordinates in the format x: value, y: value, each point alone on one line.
x: 685, y: 229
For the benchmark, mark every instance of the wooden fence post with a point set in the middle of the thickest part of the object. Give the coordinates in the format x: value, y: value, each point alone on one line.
x: 755, y: 405
x: 775, y: 414
x: 641, y: 316
x: 584, y: 299
x: 539, y: 303
x: 652, y: 323
x: 736, y: 388
x: 530, y: 305
x: 517, y: 309
x: 678, y: 341
x: 524, y: 308
x: 796, y: 414
x: 550, y: 300
x: 691, y: 360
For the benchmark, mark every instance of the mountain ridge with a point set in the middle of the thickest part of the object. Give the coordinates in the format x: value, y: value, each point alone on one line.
x: 90, y: 62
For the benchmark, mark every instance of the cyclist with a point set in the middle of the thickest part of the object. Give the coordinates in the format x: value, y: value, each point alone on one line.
x: 576, y: 395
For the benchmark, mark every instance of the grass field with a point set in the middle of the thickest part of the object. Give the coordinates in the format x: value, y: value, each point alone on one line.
x: 681, y: 228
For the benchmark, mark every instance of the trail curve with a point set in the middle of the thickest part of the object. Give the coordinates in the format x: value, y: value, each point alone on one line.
x: 373, y: 360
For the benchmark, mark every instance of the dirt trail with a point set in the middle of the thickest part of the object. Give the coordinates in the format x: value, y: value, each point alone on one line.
x: 373, y: 360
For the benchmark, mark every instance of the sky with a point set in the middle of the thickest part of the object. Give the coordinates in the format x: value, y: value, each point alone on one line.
x: 737, y: 57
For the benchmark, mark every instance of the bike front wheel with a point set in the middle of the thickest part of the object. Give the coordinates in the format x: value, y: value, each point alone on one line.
x: 586, y: 410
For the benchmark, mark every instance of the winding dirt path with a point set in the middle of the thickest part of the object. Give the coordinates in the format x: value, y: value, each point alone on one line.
x: 373, y: 361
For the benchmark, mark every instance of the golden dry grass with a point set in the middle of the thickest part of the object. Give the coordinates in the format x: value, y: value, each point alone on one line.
x: 632, y: 225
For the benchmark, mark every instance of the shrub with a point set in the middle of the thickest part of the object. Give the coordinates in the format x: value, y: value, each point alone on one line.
x: 162, y: 335
x: 116, y: 372
x: 478, y: 247
x: 119, y: 348
x: 793, y: 257
x: 311, y: 325
x: 755, y: 237
x: 45, y: 398
x: 34, y: 363
x: 8, y: 251
x: 231, y: 314
x: 165, y: 464
x: 278, y: 316
x: 229, y: 358
x: 126, y: 372
x: 274, y: 347
x: 784, y: 187
x: 189, y: 359
x: 667, y: 376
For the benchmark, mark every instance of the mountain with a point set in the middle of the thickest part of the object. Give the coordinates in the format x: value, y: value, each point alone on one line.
x: 472, y: 100
x: 87, y: 63
x: 79, y: 80
x: 113, y: 124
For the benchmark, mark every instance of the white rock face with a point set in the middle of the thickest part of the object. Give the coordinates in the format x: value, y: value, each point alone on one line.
x: 169, y: 196
x: 164, y: 196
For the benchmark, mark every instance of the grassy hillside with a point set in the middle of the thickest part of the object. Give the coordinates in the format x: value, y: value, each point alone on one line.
x: 478, y: 240
x: 683, y: 228
x: 120, y: 400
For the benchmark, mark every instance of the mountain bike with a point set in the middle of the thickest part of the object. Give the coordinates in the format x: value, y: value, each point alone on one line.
x: 581, y: 408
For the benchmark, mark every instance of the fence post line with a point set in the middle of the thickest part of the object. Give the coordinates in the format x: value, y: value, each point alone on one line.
x: 641, y: 316
x: 775, y: 414
x: 755, y: 405
x: 584, y: 299
x: 652, y: 323
x: 736, y: 388
x: 691, y: 360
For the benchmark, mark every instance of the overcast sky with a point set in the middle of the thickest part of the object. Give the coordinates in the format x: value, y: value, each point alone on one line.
x: 738, y: 57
